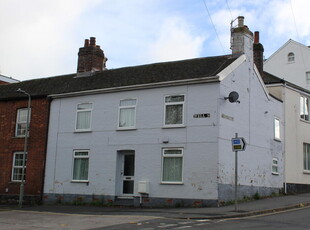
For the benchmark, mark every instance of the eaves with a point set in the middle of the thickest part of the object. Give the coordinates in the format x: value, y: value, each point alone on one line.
x: 138, y: 87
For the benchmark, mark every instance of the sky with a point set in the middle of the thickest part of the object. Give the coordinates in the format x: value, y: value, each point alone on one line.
x: 41, y: 38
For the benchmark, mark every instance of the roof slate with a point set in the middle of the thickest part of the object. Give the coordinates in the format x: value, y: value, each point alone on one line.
x: 128, y: 76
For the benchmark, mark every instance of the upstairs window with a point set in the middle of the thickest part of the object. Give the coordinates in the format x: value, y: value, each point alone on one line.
x: 308, y: 78
x: 83, y: 116
x: 17, y: 168
x: 174, y: 110
x: 291, y: 57
x: 21, y: 122
x: 304, y: 108
x: 127, y: 114
x: 277, y: 134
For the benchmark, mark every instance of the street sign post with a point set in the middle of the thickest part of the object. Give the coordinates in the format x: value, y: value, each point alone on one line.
x: 238, y: 144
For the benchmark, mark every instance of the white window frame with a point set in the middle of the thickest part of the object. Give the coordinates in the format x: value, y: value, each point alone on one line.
x: 181, y: 155
x: 304, y: 108
x: 18, y: 167
x: 306, y: 156
x: 275, y: 166
x: 290, y: 57
x: 277, y: 129
x: 18, y: 122
x: 121, y: 107
x: 174, y: 103
x: 80, y: 157
x: 83, y: 111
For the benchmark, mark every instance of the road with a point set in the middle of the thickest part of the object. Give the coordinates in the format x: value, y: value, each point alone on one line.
x: 298, y: 219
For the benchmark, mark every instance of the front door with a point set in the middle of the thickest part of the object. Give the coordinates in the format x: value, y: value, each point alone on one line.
x: 127, y: 173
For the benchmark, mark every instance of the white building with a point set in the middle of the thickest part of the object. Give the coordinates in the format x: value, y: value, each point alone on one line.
x: 291, y: 62
x: 160, y: 134
x: 7, y: 80
x: 297, y: 132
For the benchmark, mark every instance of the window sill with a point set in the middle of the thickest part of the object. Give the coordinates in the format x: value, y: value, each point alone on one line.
x: 277, y: 139
x: 82, y: 131
x: 16, y: 182
x: 274, y: 173
x: 307, y: 172
x: 20, y: 137
x: 80, y: 181
x: 303, y: 120
x: 173, y: 127
x: 126, y: 129
x: 171, y: 183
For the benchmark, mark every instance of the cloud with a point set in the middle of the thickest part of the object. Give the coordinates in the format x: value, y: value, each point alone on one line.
x: 176, y: 41
x: 36, y: 32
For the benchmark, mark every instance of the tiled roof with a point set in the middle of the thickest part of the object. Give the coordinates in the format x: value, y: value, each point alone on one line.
x: 128, y: 76
x: 271, y: 79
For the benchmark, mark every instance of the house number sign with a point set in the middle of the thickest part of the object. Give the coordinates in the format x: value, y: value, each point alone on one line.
x: 201, y: 115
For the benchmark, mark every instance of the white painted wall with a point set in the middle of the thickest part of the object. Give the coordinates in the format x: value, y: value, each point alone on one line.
x: 198, y: 138
x: 253, y: 119
x: 208, y: 158
x: 297, y: 132
x: 294, y: 72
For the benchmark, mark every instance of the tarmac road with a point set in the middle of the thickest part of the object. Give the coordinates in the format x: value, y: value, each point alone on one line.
x: 28, y: 220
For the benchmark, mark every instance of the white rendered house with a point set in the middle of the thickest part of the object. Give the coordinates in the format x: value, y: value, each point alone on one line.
x: 291, y: 62
x: 160, y: 134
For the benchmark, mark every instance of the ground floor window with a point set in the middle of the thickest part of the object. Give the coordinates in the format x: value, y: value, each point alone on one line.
x: 306, y: 157
x: 17, y: 168
x: 172, y: 165
x: 275, y: 168
x: 80, y: 165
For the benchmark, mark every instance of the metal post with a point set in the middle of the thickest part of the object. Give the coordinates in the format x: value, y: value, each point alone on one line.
x: 22, y: 184
x: 236, y: 177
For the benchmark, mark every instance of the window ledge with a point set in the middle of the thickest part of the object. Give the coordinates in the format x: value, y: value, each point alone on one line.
x: 82, y: 131
x: 80, y: 181
x: 172, y: 183
x: 126, y: 129
x: 16, y: 182
x: 174, y: 127
x: 303, y: 120
x: 20, y: 137
x: 277, y: 139
x: 307, y: 172
x: 275, y: 173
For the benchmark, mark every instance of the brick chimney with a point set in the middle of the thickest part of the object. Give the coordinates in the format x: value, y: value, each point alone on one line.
x: 241, y: 40
x: 258, y: 51
x: 90, y: 58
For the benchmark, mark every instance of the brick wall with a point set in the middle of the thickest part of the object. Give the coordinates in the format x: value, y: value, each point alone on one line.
x: 36, y: 145
x: 3, y: 83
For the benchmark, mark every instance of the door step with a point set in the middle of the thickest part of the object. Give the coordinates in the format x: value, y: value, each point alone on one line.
x: 124, y: 201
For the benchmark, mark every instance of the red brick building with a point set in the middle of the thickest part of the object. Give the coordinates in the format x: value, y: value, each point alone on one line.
x: 12, y: 136
x: 13, y: 117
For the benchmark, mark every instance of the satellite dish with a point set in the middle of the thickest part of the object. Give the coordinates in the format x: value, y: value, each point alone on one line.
x: 233, y: 97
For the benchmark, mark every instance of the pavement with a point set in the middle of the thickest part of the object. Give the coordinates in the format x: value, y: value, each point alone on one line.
x: 249, y: 208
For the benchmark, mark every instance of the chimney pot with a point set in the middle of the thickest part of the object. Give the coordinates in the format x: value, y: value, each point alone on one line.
x: 256, y: 37
x: 90, y: 58
x: 240, y: 21
x: 86, y: 43
x: 92, y: 41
